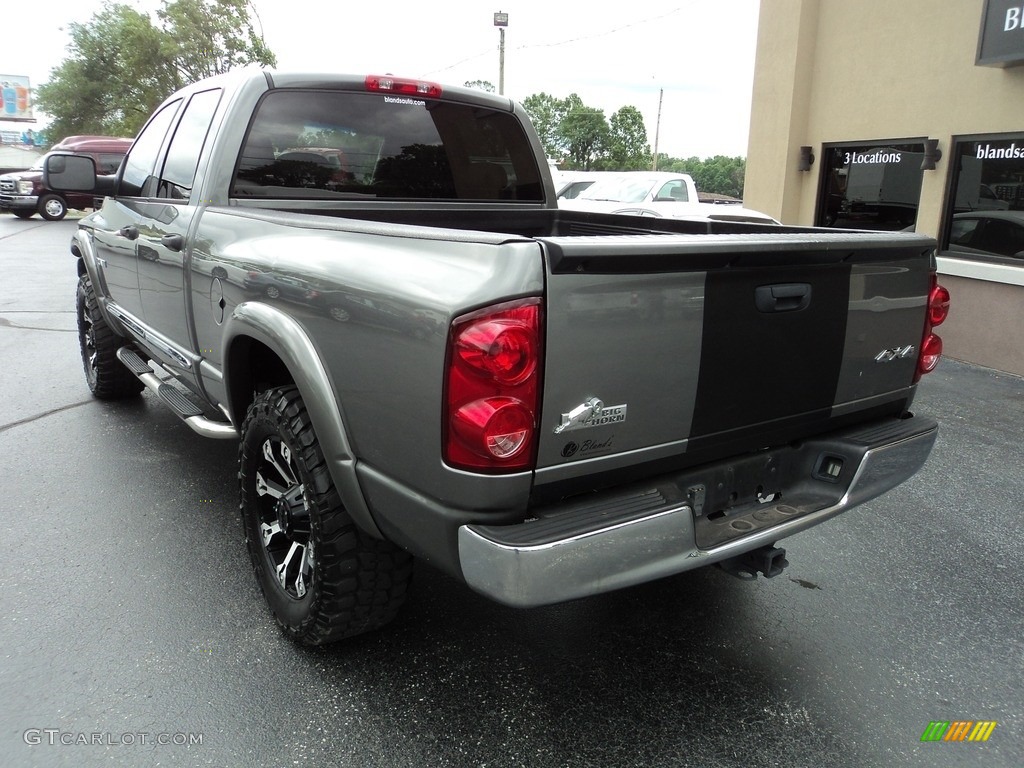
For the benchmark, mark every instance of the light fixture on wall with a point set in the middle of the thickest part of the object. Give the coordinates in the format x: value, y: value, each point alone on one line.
x: 932, y: 154
x: 806, y: 159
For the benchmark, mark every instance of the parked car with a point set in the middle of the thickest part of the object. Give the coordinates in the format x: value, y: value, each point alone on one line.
x: 24, y: 194
x: 569, y: 184
x: 657, y: 194
x: 988, y: 232
x: 702, y: 212
x: 641, y: 187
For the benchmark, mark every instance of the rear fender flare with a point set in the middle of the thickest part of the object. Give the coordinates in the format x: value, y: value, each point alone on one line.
x: 283, y: 336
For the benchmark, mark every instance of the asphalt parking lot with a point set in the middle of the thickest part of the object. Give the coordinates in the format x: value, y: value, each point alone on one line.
x: 133, y: 633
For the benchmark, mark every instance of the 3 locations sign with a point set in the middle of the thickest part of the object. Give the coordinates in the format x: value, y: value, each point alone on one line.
x: 1001, y: 41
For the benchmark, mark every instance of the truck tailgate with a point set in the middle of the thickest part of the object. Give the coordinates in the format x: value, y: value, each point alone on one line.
x: 680, y: 349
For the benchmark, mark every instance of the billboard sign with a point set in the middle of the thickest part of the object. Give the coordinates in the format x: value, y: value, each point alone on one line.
x: 15, y: 98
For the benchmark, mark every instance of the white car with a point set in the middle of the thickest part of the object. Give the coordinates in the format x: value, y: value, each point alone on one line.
x: 569, y: 184
x: 703, y: 212
x: 986, y: 233
x: 659, y: 194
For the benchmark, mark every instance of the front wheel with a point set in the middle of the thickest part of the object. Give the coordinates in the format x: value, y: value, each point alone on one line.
x: 106, y: 376
x: 23, y: 214
x: 323, y: 578
x: 53, y: 207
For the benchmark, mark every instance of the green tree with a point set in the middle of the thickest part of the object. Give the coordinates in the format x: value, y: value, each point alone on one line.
x: 719, y: 175
x: 203, y: 38
x: 120, y: 65
x: 112, y: 78
x: 628, y: 149
x: 585, y: 133
x: 546, y: 113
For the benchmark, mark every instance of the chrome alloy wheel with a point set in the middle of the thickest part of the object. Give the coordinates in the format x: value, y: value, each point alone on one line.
x: 284, y: 518
x: 87, y: 337
x: 55, y: 208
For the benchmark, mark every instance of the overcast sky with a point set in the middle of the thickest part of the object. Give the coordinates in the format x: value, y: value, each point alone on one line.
x: 699, y: 52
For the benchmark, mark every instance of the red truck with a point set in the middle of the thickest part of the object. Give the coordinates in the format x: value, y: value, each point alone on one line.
x: 24, y: 194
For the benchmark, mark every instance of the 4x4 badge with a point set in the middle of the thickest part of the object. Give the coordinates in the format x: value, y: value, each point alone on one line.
x: 896, y: 353
x: 592, y: 413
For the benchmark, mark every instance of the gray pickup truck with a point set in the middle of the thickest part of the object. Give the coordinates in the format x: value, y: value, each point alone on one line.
x: 367, y: 282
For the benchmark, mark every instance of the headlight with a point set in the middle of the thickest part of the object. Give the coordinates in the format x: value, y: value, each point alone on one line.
x: 26, y: 187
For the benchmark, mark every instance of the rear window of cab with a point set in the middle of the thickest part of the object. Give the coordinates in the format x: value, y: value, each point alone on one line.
x: 337, y: 145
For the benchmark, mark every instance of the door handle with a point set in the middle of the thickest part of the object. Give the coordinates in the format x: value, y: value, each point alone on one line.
x: 784, y: 297
x: 172, y: 242
x: 130, y: 231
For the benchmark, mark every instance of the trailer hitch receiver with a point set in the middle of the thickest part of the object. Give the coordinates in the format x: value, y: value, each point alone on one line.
x: 768, y: 560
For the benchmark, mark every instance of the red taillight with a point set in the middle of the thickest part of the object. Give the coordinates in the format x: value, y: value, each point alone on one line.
x: 938, y: 305
x: 500, y: 425
x: 931, y: 351
x: 501, y: 348
x: 493, y: 388
x: 931, y: 345
x: 403, y: 87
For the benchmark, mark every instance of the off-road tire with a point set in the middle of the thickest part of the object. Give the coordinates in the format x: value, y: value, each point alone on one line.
x: 345, y: 582
x: 53, y: 207
x: 106, y: 376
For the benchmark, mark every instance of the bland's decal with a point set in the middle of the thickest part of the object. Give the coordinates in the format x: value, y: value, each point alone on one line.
x: 592, y: 413
x: 587, y: 447
x: 409, y: 102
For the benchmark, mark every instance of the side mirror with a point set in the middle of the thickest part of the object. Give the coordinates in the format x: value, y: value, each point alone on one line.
x: 70, y: 173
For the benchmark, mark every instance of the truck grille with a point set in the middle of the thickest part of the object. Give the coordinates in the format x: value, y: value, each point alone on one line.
x: 8, y: 186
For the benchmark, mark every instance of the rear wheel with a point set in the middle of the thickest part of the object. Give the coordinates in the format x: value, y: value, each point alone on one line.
x: 52, y: 207
x: 323, y: 578
x: 107, y: 377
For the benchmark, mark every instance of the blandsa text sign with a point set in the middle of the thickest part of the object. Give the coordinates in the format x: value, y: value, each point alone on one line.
x: 1001, y: 40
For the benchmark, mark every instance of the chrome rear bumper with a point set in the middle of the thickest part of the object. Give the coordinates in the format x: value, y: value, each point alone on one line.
x: 630, y: 539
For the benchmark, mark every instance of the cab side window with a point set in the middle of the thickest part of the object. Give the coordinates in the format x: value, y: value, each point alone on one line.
x: 179, y: 171
x: 107, y: 163
x: 673, y: 191
x: 138, y: 179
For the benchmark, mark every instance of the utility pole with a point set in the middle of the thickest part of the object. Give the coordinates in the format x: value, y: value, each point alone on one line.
x: 657, y: 130
x: 501, y: 21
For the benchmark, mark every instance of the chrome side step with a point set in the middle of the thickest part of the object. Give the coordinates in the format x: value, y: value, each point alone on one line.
x: 175, y: 399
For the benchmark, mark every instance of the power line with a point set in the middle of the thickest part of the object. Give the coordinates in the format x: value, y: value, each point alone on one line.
x: 600, y: 34
x: 560, y: 43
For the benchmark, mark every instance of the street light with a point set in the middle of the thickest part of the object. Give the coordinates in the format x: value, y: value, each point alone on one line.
x: 501, y: 21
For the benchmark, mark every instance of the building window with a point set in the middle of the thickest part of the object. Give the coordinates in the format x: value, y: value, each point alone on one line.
x: 985, y: 208
x: 870, y: 186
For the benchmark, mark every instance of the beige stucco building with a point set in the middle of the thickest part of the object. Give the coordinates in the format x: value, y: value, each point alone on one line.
x: 870, y: 88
